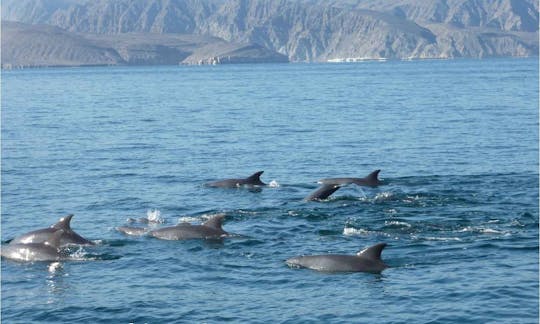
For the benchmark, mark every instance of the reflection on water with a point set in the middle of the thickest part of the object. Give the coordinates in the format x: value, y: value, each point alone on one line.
x: 56, y: 284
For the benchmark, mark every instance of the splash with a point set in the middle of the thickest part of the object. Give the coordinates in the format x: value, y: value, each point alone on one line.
x: 154, y: 216
x: 273, y: 184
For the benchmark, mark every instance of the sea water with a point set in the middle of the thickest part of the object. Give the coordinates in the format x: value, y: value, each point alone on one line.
x: 457, y: 143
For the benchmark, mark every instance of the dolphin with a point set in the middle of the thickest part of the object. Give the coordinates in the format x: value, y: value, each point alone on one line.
x: 48, y: 250
x: 367, y: 260
x: 371, y: 180
x: 251, y: 181
x: 211, y: 229
x: 41, y: 235
x: 323, y: 192
x: 132, y: 230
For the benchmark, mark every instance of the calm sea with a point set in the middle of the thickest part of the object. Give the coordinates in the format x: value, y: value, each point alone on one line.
x: 457, y: 143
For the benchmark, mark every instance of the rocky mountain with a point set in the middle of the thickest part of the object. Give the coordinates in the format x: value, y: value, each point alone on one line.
x: 306, y: 30
x: 25, y: 45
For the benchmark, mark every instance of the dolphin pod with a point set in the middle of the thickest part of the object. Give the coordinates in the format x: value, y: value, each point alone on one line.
x: 45, y: 244
x: 367, y: 260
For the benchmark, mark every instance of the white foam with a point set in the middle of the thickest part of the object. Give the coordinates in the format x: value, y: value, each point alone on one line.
x: 383, y: 196
x: 397, y: 223
x: 79, y: 254
x: 445, y: 239
x: 490, y: 231
x: 482, y: 230
x: 355, y: 231
x: 273, y: 184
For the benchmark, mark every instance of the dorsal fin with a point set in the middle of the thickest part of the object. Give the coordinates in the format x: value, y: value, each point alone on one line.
x: 372, y: 252
x: 54, y: 239
x: 215, y: 222
x: 64, y: 222
x: 373, y: 176
x: 255, y: 177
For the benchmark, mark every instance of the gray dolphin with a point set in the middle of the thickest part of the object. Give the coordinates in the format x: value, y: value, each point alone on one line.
x: 48, y: 250
x: 251, y: 181
x: 211, y: 229
x: 39, y: 236
x: 323, y: 192
x: 367, y: 260
x: 132, y: 230
x: 371, y: 180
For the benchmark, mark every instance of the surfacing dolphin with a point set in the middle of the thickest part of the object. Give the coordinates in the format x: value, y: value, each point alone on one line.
x: 323, y: 192
x: 132, y: 230
x: 41, y: 235
x: 251, y: 181
x: 372, y: 180
x: 367, y: 260
x: 48, y: 250
x: 211, y: 229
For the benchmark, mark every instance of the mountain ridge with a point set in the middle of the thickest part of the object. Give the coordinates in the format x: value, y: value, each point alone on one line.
x: 308, y: 30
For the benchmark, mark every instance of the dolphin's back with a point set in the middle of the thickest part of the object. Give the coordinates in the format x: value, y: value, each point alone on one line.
x: 30, y: 252
x: 322, y: 192
x: 45, y: 251
x: 37, y: 236
x: 337, y: 263
x: 186, y: 232
x: 371, y: 180
x: 367, y: 260
x: 68, y: 235
x: 131, y: 230
x: 253, y: 180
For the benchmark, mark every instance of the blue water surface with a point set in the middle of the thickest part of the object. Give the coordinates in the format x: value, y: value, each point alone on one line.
x: 457, y: 143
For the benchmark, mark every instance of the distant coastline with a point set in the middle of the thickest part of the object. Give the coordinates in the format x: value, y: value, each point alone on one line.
x: 207, y: 32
